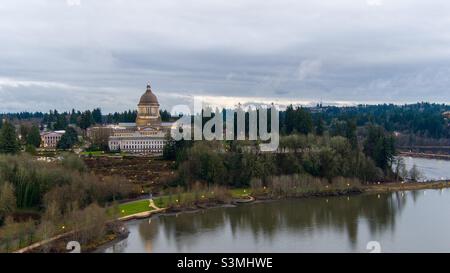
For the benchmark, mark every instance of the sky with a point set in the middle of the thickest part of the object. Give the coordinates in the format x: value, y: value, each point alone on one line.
x: 64, y: 54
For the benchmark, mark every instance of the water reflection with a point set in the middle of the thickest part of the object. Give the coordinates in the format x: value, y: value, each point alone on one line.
x: 430, y: 169
x: 314, y: 224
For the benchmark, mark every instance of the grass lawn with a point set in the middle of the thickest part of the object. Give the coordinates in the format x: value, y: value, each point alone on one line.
x: 94, y: 153
x: 166, y: 200
x: 241, y: 192
x: 134, y: 207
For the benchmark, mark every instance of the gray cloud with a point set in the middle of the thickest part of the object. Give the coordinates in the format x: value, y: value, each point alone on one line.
x: 103, y: 52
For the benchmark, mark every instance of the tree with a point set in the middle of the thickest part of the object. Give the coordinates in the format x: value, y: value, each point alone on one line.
x: 298, y: 119
x: 380, y: 147
x: 97, y: 116
x: 34, y: 137
x: 86, y: 120
x: 68, y: 139
x: 289, y: 119
x: 350, y: 133
x: 24, y: 130
x: 303, y: 121
x: 414, y: 174
x: 100, y: 137
x: 165, y: 115
x: 30, y: 149
x: 400, y: 171
x: 73, y: 117
x: 8, y: 139
x: 320, y: 126
x: 61, y: 122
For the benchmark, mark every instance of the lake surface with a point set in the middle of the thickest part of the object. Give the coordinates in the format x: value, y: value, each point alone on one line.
x: 431, y: 169
x: 412, y: 221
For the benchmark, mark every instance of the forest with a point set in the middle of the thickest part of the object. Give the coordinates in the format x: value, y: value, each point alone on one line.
x: 39, y: 200
x: 420, y: 119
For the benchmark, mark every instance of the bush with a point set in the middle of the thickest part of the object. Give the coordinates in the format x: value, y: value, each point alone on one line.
x: 73, y: 162
x: 298, y: 185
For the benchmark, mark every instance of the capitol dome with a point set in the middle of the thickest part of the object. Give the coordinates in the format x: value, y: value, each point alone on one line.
x: 148, y: 97
x: 148, y: 110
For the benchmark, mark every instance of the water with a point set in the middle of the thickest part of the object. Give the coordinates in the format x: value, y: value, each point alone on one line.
x: 430, y: 169
x: 412, y: 221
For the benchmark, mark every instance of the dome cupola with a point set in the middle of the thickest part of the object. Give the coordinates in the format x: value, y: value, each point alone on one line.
x: 148, y: 97
x: 148, y: 110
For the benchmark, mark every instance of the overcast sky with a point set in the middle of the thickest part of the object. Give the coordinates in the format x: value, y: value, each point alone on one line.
x: 82, y: 54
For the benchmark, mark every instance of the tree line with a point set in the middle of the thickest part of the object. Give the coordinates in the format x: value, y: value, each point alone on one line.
x: 421, y: 119
x: 55, y: 120
x: 60, y: 196
x: 236, y: 163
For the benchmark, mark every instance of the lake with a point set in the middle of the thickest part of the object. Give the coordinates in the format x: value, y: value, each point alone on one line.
x: 411, y: 221
x: 431, y: 169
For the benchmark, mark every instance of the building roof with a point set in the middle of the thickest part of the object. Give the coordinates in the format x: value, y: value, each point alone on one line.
x: 148, y: 97
x: 59, y: 132
x: 127, y: 124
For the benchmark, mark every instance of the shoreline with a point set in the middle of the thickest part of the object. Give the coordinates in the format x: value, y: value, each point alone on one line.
x: 365, y: 189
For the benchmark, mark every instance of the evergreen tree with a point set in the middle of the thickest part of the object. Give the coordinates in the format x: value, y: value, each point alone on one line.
x: 24, y: 131
x: 320, y: 126
x: 165, y: 115
x: 34, y: 137
x: 8, y: 139
x: 303, y: 121
x: 380, y: 147
x: 30, y: 149
x: 86, y: 120
x: 68, y: 139
x: 61, y: 122
x: 350, y: 133
x: 73, y: 117
x: 97, y: 116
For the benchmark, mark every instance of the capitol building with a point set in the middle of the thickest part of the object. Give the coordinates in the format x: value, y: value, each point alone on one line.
x: 148, y: 135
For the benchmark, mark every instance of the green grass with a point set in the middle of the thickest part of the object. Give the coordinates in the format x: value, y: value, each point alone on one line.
x: 168, y: 200
x: 93, y: 153
x: 134, y: 207
x: 241, y: 192
x: 162, y: 201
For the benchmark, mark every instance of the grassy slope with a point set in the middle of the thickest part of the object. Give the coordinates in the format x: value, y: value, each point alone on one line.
x: 134, y: 207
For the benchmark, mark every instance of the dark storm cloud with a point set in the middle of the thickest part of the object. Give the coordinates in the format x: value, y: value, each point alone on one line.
x: 81, y: 54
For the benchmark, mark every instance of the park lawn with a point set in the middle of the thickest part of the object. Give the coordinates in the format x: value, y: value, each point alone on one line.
x: 181, y: 198
x: 93, y: 153
x: 134, y: 207
x: 167, y: 200
x: 241, y: 192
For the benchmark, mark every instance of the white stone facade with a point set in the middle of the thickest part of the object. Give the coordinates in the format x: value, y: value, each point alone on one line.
x: 137, y: 144
x: 51, y: 139
x: 147, y: 135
